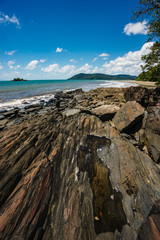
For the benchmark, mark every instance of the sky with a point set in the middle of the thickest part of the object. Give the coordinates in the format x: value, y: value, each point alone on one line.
x: 56, y: 39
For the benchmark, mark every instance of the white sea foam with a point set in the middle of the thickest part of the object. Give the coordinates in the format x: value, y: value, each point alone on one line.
x: 44, y: 99
x: 24, y: 102
x: 117, y: 84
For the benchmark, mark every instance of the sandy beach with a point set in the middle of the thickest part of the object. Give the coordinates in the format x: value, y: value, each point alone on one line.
x: 143, y: 83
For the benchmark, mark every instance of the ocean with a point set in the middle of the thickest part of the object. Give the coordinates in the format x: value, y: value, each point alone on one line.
x: 18, y: 94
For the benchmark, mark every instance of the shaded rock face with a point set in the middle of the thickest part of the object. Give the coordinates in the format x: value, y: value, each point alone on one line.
x: 128, y: 116
x: 105, y: 112
x: 74, y: 177
x: 150, y: 230
x: 152, y: 133
x: 145, y: 97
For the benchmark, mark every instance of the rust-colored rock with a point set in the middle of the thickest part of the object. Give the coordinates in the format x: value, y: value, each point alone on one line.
x: 128, y: 116
x: 74, y: 177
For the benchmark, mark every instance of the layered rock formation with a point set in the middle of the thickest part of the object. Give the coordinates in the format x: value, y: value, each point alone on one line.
x: 67, y: 173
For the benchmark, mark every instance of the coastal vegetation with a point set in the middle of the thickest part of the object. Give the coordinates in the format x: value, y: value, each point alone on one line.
x: 150, y: 9
x: 18, y: 80
x: 100, y: 76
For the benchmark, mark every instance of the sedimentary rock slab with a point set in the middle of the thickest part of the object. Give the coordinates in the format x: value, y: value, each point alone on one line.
x: 105, y: 112
x: 128, y: 116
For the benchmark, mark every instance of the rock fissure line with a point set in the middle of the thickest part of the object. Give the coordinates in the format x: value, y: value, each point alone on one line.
x: 69, y: 174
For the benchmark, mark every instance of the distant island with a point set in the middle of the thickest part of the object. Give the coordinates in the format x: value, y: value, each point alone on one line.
x: 18, y: 80
x: 100, y: 76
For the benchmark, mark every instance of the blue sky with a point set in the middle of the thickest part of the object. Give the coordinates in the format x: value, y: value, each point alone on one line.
x: 55, y: 39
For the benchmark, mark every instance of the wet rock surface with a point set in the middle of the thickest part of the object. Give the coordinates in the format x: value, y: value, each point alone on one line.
x: 65, y: 174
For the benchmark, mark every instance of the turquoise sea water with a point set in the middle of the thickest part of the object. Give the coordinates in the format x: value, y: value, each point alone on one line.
x: 15, y: 90
x: 17, y: 94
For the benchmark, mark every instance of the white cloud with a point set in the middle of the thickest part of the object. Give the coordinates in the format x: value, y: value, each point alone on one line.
x: 32, y: 65
x: 10, y: 63
x: 42, y: 60
x: 6, y: 19
x: 67, y: 69
x: 136, y: 28
x: 94, y: 59
x: 106, y: 55
x: 51, y: 68
x: 86, y: 68
x: 1, y: 66
x: 58, y: 50
x: 10, y: 53
x: 128, y: 64
x: 73, y: 61
x: 15, y: 67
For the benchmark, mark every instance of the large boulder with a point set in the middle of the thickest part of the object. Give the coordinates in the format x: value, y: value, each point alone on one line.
x: 129, y: 115
x: 105, y: 112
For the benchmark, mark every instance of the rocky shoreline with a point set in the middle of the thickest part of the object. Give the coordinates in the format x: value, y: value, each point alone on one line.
x: 84, y: 166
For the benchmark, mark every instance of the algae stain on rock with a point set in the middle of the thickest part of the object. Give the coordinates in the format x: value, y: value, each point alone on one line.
x: 107, y: 203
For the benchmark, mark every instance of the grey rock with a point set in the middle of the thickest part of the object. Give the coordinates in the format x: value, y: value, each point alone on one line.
x: 9, y: 113
x: 105, y: 112
x: 105, y: 236
x: 129, y: 115
x: 3, y: 110
x: 152, y: 133
x: 71, y: 112
x: 1, y: 117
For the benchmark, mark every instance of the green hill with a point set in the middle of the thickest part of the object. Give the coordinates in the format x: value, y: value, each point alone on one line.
x: 100, y: 76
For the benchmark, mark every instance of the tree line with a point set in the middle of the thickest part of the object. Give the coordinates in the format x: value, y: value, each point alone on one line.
x: 150, y: 10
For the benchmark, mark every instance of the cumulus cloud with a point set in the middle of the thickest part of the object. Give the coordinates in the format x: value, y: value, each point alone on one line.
x: 106, y: 55
x: 51, y: 68
x: 32, y: 65
x: 6, y: 19
x: 67, y: 69
x: 73, y: 61
x: 10, y: 53
x: 1, y: 66
x: 10, y: 63
x: 58, y: 50
x: 15, y: 67
x: 128, y: 64
x: 55, y: 68
x: 136, y: 28
x: 42, y: 60
x: 86, y: 68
